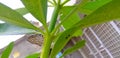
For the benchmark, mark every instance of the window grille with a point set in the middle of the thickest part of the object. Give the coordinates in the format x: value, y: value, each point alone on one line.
x: 103, y: 41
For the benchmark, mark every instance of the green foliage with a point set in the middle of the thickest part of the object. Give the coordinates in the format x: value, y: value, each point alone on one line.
x: 62, y: 41
x: 74, y: 18
x: 38, y: 8
x: 106, y: 13
x: 7, y: 51
x: 97, y: 12
x: 14, y: 17
x: 77, y: 46
x: 101, y: 15
x: 9, y: 29
x: 78, y: 33
x: 54, y: 16
x: 91, y: 6
x: 35, y: 55
x: 22, y: 11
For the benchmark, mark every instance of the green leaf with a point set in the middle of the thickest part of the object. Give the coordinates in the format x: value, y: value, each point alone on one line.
x: 106, y: 13
x: 54, y: 18
x: 74, y: 48
x: 62, y: 40
x: 74, y: 18
x: 38, y: 8
x: 22, y: 11
x: 9, y: 29
x: 92, y: 6
x: 7, y: 51
x: 78, y: 33
x: 35, y: 55
x: 11, y: 16
x: 103, y: 14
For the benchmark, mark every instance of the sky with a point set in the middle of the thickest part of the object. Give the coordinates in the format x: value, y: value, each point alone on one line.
x: 14, y: 4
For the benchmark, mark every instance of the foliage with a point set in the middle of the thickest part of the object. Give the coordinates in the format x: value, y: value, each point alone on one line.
x: 35, y: 55
x: 78, y: 45
x: 97, y: 12
x: 7, y: 51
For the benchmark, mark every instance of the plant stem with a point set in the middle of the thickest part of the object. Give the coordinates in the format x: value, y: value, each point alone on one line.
x: 54, y: 17
x: 64, y: 19
x: 50, y: 2
x: 46, y: 28
x: 79, y: 5
x: 47, y: 37
x: 65, y: 2
x: 54, y: 2
x: 46, y: 47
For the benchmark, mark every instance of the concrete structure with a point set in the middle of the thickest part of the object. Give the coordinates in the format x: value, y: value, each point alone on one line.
x: 23, y: 47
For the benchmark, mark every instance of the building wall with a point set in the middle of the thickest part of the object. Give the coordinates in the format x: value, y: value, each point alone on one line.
x: 23, y: 48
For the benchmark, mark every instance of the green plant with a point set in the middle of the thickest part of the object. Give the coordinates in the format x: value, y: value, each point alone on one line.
x: 7, y: 51
x: 97, y: 12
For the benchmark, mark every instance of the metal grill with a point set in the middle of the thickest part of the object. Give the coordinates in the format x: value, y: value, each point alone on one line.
x: 103, y: 41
